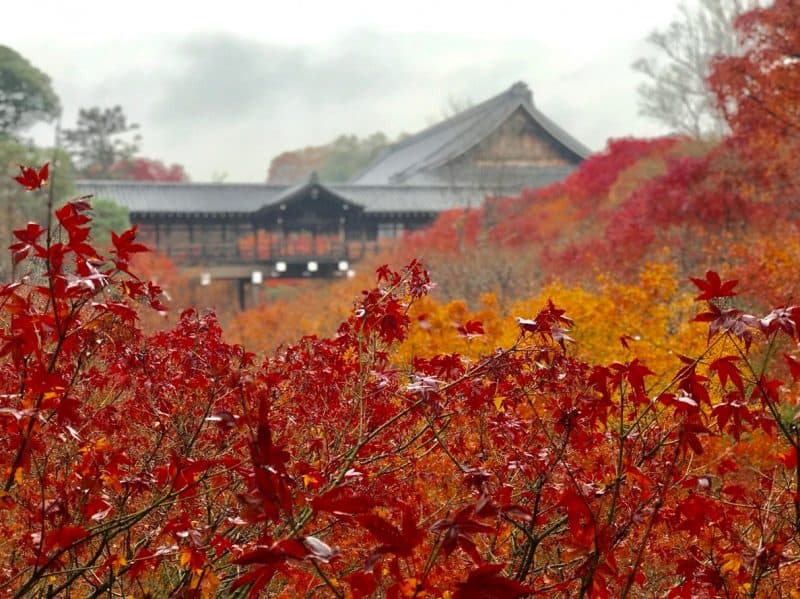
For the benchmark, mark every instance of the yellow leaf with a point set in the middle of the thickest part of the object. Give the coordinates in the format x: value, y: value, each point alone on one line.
x: 408, y: 588
x: 498, y: 403
x: 312, y: 480
x: 117, y: 561
x: 732, y: 564
x: 206, y: 581
x: 184, y: 556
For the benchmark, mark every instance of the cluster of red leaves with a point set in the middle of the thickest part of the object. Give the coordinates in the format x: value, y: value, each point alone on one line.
x: 146, y: 169
x: 172, y: 464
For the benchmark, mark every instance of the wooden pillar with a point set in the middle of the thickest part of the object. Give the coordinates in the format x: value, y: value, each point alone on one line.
x: 242, y: 283
x: 167, y: 237
x: 256, y: 249
x: 281, y: 237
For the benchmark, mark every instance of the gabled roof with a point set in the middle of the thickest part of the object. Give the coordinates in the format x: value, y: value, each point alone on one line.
x: 302, y: 190
x: 412, y: 160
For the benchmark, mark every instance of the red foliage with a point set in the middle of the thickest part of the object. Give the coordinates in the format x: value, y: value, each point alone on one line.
x: 593, y: 180
x: 146, y: 169
x: 172, y: 465
x: 759, y: 90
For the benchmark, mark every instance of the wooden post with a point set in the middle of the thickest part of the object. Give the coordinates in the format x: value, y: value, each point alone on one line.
x: 281, y: 238
x: 242, y: 283
x: 256, y: 255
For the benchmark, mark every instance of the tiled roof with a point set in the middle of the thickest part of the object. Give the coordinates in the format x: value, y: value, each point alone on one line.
x: 149, y: 197
x: 404, y: 198
x: 413, y: 159
x: 206, y: 198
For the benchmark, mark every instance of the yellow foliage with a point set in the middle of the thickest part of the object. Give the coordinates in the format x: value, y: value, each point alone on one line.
x: 652, y: 314
x: 733, y: 563
x: 206, y: 582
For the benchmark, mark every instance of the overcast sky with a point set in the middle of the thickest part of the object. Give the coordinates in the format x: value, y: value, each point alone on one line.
x: 223, y: 87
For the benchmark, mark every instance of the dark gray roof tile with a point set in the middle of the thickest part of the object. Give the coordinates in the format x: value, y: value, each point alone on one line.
x: 146, y: 197
x: 204, y: 198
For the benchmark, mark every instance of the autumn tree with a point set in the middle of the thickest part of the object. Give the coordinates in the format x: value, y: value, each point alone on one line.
x: 335, y: 162
x: 676, y: 92
x: 26, y: 95
x: 758, y: 91
x: 295, y: 166
x: 147, y: 169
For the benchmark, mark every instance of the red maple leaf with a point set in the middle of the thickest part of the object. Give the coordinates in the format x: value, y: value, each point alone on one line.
x: 458, y: 532
x: 727, y: 370
x: 124, y: 245
x: 712, y: 286
x: 470, y: 329
x: 32, y: 179
x: 28, y: 240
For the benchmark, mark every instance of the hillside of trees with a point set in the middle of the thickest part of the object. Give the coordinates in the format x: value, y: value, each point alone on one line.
x: 335, y: 162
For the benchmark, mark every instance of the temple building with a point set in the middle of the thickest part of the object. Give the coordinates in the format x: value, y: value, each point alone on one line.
x: 251, y: 231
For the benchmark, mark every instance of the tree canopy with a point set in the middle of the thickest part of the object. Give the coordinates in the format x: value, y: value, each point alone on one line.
x: 26, y: 94
x: 99, y: 140
x: 108, y: 216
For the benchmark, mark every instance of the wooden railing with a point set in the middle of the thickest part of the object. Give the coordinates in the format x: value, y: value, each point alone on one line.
x: 233, y: 253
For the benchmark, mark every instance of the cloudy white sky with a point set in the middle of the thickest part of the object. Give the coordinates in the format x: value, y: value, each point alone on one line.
x: 223, y: 87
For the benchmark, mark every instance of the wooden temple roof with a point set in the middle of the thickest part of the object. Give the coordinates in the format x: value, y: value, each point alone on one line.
x: 415, y: 159
x: 141, y: 197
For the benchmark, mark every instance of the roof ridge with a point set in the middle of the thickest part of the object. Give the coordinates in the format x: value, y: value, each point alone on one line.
x: 512, y: 93
x: 144, y: 183
x: 499, y: 118
x: 460, y: 116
